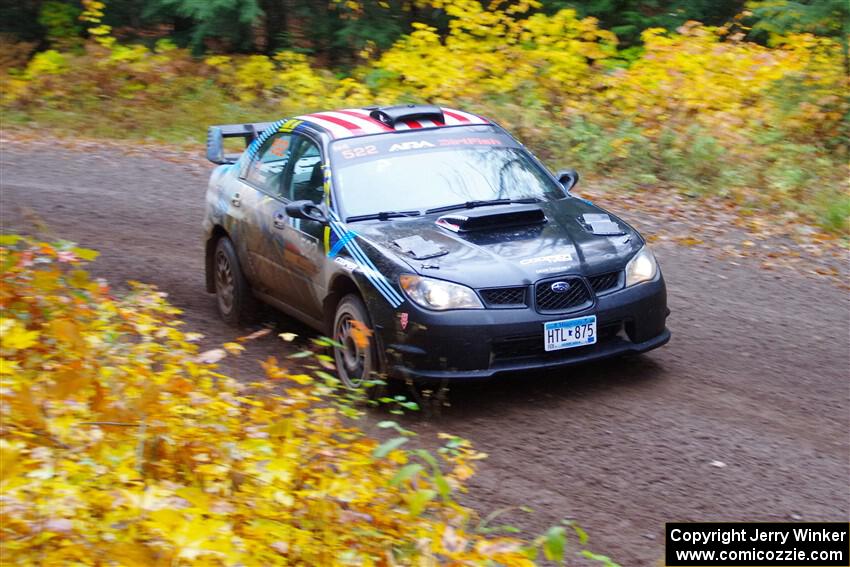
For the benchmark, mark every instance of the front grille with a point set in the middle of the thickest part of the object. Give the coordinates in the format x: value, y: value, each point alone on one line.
x: 519, y: 347
x: 604, y: 282
x: 532, y: 345
x: 576, y: 296
x: 504, y: 296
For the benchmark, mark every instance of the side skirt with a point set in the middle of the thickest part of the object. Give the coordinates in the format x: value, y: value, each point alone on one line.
x: 317, y: 324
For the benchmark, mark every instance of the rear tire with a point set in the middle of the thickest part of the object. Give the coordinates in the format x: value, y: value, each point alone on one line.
x: 354, y: 362
x: 236, y: 304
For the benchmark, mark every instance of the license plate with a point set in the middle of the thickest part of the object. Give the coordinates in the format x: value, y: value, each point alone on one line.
x: 569, y: 333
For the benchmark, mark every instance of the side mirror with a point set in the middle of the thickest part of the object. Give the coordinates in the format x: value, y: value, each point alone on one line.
x: 307, y: 210
x: 568, y: 178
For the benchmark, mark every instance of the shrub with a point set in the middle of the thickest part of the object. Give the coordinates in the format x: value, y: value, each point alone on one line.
x: 59, y: 20
x: 698, y: 108
x: 121, y: 444
x: 836, y: 213
x: 48, y: 62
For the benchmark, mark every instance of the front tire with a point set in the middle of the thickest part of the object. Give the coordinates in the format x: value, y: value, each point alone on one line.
x: 236, y: 304
x: 355, y: 361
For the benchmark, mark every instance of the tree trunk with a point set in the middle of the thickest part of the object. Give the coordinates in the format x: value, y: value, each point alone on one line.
x: 275, y: 24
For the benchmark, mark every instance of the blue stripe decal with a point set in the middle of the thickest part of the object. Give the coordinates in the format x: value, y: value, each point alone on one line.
x: 264, y: 135
x: 380, y: 282
x: 372, y: 274
x: 370, y: 271
x: 340, y: 243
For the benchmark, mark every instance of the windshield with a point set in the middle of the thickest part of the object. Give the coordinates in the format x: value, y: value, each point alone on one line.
x: 414, y: 172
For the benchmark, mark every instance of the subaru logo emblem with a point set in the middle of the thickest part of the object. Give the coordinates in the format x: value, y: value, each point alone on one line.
x: 560, y: 287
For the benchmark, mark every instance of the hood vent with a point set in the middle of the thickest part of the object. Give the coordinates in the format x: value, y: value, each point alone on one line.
x: 418, y: 248
x: 600, y: 224
x: 492, y: 218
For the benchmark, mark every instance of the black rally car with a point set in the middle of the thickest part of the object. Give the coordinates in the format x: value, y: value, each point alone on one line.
x: 436, y: 230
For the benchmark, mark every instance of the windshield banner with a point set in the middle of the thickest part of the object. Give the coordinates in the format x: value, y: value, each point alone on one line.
x: 388, y: 145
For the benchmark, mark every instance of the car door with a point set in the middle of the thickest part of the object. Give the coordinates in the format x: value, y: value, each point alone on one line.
x: 265, y: 221
x: 304, y: 252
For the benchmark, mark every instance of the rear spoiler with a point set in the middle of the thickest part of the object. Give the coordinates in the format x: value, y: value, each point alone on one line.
x: 217, y: 134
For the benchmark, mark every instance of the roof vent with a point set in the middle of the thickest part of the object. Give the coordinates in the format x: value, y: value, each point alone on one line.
x: 389, y: 115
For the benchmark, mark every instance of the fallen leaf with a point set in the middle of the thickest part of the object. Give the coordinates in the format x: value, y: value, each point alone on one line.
x: 360, y: 333
x: 212, y: 356
x: 58, y: 525
x: 233, y: 348
x: 15, y: 336
x: 302, y: 379
x: 689, y: 241
x: 281, y: 547
x: 452, y: 541
x: 255, y: 335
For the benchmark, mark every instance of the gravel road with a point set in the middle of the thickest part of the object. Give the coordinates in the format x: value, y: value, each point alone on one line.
x: 745, y: 415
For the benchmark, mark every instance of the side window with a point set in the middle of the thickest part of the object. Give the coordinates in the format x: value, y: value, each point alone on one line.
x: 267, y: 169
x: 307, y: 180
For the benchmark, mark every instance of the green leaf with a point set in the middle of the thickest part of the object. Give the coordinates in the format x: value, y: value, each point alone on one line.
x: 329, y: 379
x: 427, y: 457
x: 500, y: 529
x: 387, y: 446
x: 302, y: 354
x: 405, y: 473
x: 78, y: 278
x: 393, y: 425
x: 582, y: 535
x: 419, y: 500
x: 555, y: 543
x: 443, y: 486
x: 601, y: 558
x: 85, y: 253
x: 9, y: 239
x: 326, y: 342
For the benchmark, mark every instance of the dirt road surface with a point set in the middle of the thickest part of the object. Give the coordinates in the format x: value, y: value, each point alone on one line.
x: 745, y: 415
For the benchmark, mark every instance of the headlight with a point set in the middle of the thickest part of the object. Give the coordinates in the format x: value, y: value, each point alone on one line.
x: 641, y: 268
x: 438, y: 294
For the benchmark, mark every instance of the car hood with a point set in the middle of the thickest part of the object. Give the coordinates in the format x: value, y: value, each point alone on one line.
x: 563, y: 245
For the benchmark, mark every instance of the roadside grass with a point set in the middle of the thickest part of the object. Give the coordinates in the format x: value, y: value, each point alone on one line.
x: 699, y: 112
x: 835, y: 212
x: 796, y: 179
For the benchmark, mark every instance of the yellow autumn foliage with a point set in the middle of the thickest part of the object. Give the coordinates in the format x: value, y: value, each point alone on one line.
x: 699, y: 109
x: 121, y: 444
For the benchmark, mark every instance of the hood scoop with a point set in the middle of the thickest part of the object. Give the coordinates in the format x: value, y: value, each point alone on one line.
x: 600, y: 224
x: 492, y: 218
x: 418, y: 248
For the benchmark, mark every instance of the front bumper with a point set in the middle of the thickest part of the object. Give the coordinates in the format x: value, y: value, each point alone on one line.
x: 477, y: 344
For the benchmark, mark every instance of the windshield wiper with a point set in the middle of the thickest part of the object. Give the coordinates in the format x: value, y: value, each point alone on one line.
x: 485, y: 203
x: 383, y: 215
